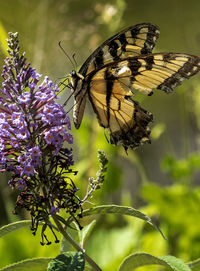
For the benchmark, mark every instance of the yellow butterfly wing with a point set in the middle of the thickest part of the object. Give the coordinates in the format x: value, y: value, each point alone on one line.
x: 122, y: 65
x: 110, y: 90
x: 136, y: 40
x: 125, y: 120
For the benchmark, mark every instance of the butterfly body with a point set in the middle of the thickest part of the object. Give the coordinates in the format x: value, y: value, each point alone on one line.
x: 117, y: 69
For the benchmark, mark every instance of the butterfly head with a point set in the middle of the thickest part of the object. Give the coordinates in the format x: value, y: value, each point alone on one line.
x: 76, y: 80
x: 73, y: 74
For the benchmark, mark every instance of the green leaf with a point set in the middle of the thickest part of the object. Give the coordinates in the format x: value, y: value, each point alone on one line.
x: 65, y: 245
x: 84, y: 233
x: 70, y: 261
x: 14, y: 227
x: 38, y: 264
x: 141, y: 259
x: 122, y: 210
x: 175, y: 263
x: 195, y: 265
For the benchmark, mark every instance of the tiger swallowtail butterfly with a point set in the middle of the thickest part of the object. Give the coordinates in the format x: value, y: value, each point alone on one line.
x: 122, y: 65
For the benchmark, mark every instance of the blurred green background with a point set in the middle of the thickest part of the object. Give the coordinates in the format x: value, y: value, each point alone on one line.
x: 162, y: 179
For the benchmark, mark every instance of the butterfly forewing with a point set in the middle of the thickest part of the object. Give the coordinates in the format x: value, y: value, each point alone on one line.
x: 132, y: 41
x: 161, y: 71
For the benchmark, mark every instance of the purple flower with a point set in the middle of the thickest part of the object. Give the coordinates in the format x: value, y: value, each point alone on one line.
x: 35, y: 151
x: 5, y: 127
x: 69, y: 138
x: 21, y: 124
x: 25, y: 98
x: 17, y: 117
x: 18, y: 170
x: 41, y: 96
x: 48, y: 136
x: 54, y: 210
x: 22, y: 134
x: 2, y: 117
x: 21, y: 184
x: 2, y: 159
x: 23, y: 159
x: 48, y: 118
x: 14, y: 142
x: 35, y: 161
x: 57, y: 139
x: 33, y: 131
x: 2, y: 145
x: 68, y: 123
x: 28, y: 170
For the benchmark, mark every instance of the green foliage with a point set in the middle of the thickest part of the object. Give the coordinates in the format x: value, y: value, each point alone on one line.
x: 122, y: 210
x: 67, y: 262
x: 14, y: 227
x: 85, y: 232
x: 178, y: 208
x: 21, y: 244
x: 38, y: 264
x: 141, y: 259
x: 108, y: 247
x: 180, y: 169
x: 195, y: 265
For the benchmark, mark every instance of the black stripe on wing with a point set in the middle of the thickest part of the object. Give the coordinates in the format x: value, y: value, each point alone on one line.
x: 132, y: 41
x: 187, y: 70
x: 163, y: 71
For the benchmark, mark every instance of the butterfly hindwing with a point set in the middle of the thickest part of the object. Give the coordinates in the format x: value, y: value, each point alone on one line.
x: 125, y: 120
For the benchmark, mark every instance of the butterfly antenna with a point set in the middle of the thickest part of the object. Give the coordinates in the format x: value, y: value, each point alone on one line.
x: 74, y: 66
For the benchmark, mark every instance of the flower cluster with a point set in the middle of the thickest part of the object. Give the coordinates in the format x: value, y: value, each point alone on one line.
x: 33, y: 130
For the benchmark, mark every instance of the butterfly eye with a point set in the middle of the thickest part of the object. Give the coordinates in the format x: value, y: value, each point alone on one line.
x: 73, y: 74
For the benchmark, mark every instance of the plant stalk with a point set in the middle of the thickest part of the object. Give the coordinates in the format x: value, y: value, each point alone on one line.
x: 75, y: 245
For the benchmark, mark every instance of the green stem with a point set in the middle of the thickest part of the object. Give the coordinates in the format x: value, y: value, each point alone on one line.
x: 75, y: 245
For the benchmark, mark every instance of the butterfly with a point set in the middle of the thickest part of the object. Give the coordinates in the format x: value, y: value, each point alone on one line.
x: 121, y: 66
